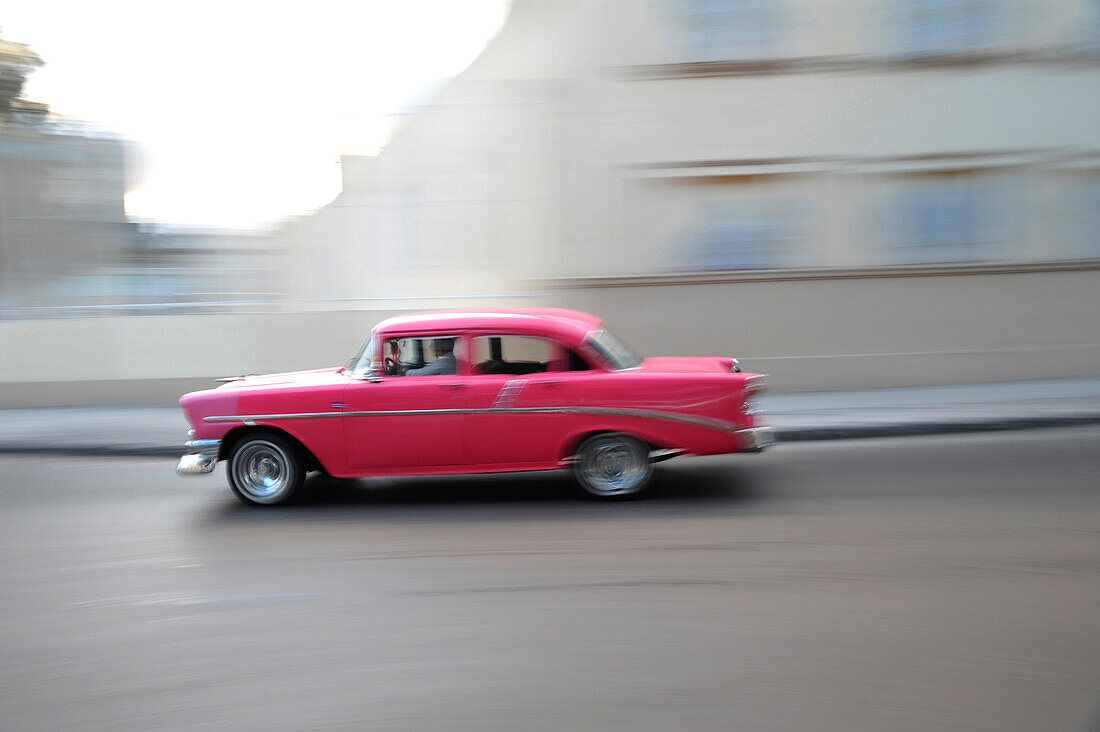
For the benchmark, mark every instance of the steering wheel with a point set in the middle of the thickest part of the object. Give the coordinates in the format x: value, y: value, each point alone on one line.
x: 393, y: 367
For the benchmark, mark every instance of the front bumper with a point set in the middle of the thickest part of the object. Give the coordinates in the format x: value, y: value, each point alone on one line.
x: 756, y: 439
x: 202, y: 458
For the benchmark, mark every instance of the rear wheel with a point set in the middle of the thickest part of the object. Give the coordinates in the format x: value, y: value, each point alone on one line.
x: 613, y: 465
x: 265, y: 469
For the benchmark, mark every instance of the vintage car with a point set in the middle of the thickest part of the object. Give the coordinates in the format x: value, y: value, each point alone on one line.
x: 475, y: 392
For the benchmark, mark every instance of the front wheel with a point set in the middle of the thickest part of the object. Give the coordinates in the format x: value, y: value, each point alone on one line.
x: 265, y: 470
x: 613, y: 465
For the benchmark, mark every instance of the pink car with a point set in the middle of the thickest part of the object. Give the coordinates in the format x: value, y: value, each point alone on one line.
x: 475, y: 392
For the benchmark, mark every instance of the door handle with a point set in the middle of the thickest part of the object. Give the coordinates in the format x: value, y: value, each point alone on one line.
x: 455, y: 385
x: 549, y: 383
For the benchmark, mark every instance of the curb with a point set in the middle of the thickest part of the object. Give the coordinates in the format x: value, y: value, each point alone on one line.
x: 915, y: 429
x: 789, y: 434
x: 161, y: 451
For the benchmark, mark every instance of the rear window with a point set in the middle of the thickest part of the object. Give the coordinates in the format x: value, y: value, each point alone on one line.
x: 614, y: 350
x: 511, y: 354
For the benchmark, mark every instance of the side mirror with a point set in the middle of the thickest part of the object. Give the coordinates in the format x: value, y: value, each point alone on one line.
x: 376, y: 371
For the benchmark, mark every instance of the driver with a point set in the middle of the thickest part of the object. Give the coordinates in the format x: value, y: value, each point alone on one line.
x: 393, y: 364
x: 444, y: 363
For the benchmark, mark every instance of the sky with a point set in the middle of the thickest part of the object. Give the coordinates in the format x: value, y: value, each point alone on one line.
x: 239, y: 111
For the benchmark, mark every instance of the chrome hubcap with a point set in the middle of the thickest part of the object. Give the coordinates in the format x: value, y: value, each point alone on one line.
x: 614, y: 467
x: 261, y: 470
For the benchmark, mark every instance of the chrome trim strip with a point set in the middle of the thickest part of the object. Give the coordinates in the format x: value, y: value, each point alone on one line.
x: 246, y: 418
x: 707, y: 422
x: 756, y: 382
x: 509, y: 393
x: 659, y: 456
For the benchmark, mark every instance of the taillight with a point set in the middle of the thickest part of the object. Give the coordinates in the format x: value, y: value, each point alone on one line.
x: 750, y: 400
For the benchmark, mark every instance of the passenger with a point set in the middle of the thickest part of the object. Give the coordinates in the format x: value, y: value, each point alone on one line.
x: 444, y: 363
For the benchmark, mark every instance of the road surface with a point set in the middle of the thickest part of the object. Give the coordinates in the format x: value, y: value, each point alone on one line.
x: 917, y: 583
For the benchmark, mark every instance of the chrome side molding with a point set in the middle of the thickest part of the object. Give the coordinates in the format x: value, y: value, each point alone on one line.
x: 710, y: 423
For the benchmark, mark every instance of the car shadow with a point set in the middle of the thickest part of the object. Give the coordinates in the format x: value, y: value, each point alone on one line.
x: 685, y: 489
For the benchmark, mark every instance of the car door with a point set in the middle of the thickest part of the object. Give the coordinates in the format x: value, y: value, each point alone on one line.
x: 399, y: 423
x: 515, y: 384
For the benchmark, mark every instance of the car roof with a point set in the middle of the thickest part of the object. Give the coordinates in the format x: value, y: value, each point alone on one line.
x: 557, y: 322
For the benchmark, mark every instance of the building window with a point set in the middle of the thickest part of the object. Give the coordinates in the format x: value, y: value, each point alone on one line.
x: 936, y: 27
x: 1084, y: 218
x: 729, y: 30
x: 948, y: 218
x: 732, y: 235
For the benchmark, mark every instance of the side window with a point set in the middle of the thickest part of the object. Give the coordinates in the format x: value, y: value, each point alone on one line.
x: 421, y: 356
x: 576, y: 362
x: 510, y: 354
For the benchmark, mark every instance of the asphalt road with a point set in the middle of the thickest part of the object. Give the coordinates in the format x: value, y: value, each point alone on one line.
x: 916, y: 583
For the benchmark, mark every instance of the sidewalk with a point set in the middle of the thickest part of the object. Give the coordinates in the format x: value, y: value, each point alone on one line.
x: 161, y: 431
x: 934, y: 409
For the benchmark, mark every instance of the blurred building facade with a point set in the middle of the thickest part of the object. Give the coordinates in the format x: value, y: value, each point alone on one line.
x: 62, y: 184
x: 637, y: 138
x: 825, y: 168
x: 844, y: 193
x: 66, y: 245
x: 195, y: 269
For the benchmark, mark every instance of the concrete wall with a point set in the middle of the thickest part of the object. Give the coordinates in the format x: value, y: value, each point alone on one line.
x: 862, y: 329
x: 810, y: 330
x: 152, y: 360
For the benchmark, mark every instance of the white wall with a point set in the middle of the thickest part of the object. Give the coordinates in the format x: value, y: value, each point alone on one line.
x: 178, y: 346
x: 828, y: 331
x: 809, y: 331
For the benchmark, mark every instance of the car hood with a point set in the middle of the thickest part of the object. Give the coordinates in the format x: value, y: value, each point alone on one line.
x: 684, y: 364
x: 290, y: 378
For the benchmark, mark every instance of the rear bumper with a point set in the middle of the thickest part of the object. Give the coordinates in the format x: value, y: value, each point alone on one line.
x: 202, y: 458
x: 756, y: 439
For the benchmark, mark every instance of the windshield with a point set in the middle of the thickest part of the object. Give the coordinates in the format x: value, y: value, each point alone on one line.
x: 614, y: 349
x: 360, y: 362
